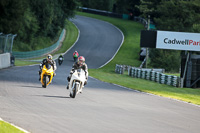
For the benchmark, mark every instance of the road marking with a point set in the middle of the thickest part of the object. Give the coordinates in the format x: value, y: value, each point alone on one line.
x: 148, y: 93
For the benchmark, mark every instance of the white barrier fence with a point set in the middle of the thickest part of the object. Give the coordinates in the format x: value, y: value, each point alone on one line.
x: 4, y: 60
x: 149, y: 74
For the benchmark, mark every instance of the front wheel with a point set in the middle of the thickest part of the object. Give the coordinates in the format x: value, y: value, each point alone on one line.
x: 59, y: 62
x: 75, y: 89
x: 75, y: 59
x: 44, y: 81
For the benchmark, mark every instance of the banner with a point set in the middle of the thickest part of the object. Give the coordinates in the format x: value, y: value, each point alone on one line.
x: 178, y: 40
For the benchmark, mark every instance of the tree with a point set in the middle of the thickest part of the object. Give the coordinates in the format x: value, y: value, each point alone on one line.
x: 33, y: 20
x: 12, y: 14
x: 148, y: 7
x: 51, y: 15
x: 127, y: 6
x: 177, y: 16
x: 167, y: 59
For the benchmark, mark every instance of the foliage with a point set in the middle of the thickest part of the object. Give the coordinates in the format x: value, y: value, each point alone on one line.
x: 33, y: 20
x: 70, y: 39
x: 148, y: 7
x: 51, y: 15
x: 127, y: 6
x: 11, y: 12
x: 182, y: 16
x: 167, y: 59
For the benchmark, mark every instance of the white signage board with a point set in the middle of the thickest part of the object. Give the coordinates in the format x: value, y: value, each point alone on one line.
x: 178, y: 40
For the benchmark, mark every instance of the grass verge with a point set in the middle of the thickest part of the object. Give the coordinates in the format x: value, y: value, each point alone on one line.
x: 70, y: 38
x: 128, y: 55
x: 8, y: 128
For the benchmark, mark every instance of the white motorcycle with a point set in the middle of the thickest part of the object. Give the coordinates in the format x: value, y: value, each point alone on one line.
x: 77, y: 82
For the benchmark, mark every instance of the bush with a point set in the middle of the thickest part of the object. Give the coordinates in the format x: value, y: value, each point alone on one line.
x: 167, y: 59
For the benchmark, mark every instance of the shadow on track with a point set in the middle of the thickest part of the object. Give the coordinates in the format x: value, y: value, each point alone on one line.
x: 52, y: 96
x: 31, y: 86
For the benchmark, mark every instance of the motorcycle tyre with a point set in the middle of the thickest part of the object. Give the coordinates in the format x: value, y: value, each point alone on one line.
x: 59, y: 62
x: 75, y: 59
x: 74, y: 91
x: 44, y: 81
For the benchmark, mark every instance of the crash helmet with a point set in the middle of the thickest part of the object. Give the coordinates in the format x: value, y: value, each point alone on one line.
x: 81, y: 60
x: 49, y: 57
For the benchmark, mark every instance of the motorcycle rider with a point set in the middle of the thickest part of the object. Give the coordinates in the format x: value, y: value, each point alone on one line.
x: 60, y: 59
x: 77, y: 65
x: 75, y: 55
x: 50, y: 61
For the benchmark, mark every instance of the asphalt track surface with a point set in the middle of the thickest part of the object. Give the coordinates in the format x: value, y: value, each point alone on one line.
x: 101, y: 108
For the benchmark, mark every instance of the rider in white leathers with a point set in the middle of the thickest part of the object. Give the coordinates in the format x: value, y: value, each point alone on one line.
x: 77, y: 65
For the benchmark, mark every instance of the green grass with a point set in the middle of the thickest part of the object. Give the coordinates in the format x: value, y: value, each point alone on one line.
x: 24, y: 63
x: 184, y: 94
x: 174, y: 74
x: 8, y: 128
x: 128, y: 55
x: 71, y: 36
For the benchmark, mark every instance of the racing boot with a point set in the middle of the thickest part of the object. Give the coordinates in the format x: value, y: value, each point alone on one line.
x: 54, y: 73
x: 39, y: 75
x: 68, y: 79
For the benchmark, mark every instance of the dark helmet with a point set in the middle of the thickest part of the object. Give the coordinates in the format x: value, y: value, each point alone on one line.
x: 81, y: 60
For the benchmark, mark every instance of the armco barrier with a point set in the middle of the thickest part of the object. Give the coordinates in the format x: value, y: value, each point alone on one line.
x: 149, y: 74
x: 38, y: 53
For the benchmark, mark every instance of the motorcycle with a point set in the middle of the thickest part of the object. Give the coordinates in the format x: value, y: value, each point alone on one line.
x: 60, y: 60
x: 75, y: 58
x: 46, y: 75
x: 77, y: 82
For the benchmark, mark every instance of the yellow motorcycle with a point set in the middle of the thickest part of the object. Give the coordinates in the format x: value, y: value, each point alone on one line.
x: 46, y: 75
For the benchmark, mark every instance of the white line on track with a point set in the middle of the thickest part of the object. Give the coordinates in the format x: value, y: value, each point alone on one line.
x: 148, y: 93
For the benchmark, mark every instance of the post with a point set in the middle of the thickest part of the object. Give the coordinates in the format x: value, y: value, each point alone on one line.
x: 6, y: 43
x: 185, y: 69
x: 147, y: 50
x: 12, y: 42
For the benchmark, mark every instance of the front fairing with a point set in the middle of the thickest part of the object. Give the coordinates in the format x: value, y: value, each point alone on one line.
x: 79, y: 75
x: 48, y: 71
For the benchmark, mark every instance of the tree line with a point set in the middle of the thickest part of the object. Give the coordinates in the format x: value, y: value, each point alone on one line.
x: 167, y: 15
x: 35, y: 22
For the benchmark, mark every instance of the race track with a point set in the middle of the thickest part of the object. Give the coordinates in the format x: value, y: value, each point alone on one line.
x: 101, y: 108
